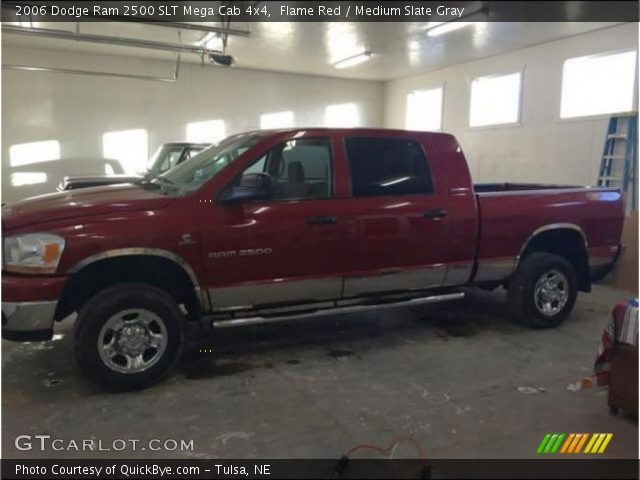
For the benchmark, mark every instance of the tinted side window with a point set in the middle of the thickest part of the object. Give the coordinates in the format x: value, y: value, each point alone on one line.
x: 387, y: 166
x: 299, y: 169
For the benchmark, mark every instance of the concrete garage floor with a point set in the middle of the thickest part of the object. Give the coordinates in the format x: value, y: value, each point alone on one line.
x: 448, y: 377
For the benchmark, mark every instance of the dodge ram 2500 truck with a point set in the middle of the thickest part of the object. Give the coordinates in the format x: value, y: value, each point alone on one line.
x: 291, y: 223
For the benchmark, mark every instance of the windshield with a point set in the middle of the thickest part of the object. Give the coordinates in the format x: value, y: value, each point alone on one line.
x: 165, y: 158
x: 189, y: 176
x: 168, y: 156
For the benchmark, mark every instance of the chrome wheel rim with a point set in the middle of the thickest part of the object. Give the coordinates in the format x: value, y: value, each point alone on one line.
x: 551, y: 293
x: 132, y: 340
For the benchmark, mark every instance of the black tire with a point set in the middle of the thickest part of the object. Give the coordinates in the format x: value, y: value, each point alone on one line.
x: 522, y: 289
x: 109, y: 303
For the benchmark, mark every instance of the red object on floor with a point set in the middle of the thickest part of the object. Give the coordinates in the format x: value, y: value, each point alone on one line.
x: 617, y: 361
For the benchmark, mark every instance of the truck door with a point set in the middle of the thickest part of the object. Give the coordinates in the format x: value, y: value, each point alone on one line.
x: 285, y: 248
x: 398, y: 215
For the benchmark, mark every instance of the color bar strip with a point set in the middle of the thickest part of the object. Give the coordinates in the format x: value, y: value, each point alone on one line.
x: 554, y: 449
x: 581, y: 443
x: 594, y: 437
x: 550, y: 443
x: 567, y: 442
x: 606, y: 442
x: 543, y: 443
x: 575, y: 442
x: 596, y: 446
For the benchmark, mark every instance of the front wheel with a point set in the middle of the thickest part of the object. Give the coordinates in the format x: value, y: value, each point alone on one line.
x: 129, y: 336
x: 543, y: 290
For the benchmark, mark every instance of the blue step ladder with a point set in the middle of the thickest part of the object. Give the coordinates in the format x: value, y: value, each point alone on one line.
x: 619, y: 165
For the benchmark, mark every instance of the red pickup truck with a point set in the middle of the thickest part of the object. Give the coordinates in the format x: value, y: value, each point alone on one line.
x: 291, y: 223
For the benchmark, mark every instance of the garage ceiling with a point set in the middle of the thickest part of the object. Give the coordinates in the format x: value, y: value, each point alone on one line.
x: 399, y: 49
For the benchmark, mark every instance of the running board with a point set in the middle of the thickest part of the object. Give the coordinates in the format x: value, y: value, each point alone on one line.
x: 236, y: 322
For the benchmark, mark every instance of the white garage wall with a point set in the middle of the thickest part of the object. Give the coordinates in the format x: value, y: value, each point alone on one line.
x: 78, y: 110
x: 541, y: 148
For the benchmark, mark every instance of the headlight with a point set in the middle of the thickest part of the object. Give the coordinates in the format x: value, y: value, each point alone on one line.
x: 32, y: 253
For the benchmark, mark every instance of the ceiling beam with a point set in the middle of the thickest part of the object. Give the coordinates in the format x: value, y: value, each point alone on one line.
x: 107, y: 40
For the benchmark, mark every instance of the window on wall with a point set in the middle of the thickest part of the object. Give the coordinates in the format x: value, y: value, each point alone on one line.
x: 276, y: 120
x: 210, y: 131
x: 495, y: 100
x: 598, y: 84
x: 19, y: 179
x: 424, y: 110
x: 344, y: 115
x: 130, y: 147
x: 34, y: 152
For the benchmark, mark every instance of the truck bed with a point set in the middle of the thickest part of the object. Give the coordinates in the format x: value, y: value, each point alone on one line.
x: 511, y: 213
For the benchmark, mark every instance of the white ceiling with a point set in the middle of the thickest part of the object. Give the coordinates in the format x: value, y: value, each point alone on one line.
x: 399, y: 49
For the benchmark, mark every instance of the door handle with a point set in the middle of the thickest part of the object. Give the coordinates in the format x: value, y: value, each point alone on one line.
x: 322, y: 220
x: 435, y: 213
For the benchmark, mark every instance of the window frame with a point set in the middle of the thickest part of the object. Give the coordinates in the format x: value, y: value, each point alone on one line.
x: 515, y: 123
x: 260, y: 155
x: 410, y: 139
x: 600, y: 116
x: 442, y: 87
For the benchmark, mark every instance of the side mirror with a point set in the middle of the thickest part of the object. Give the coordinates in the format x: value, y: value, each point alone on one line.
x: 253, y: 186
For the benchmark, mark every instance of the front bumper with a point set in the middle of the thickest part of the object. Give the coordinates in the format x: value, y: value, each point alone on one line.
x: 29, y: 306
x: 28, y: 321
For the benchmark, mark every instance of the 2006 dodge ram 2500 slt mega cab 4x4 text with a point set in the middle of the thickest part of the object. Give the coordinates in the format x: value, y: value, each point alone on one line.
x: 291, y: 223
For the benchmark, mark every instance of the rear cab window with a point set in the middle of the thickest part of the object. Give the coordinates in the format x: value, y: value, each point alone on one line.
x: 387, y: 166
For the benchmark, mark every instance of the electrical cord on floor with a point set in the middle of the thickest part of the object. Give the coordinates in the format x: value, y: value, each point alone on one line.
x: 389, y: 451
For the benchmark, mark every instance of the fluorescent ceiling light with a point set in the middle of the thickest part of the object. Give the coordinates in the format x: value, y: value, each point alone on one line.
x: 440, y: 28
x: 353, y: 60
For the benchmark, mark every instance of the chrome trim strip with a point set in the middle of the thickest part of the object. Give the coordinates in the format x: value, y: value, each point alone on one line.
x: 203, y: 298
x: 256, y: 294
x: 394, y: 280
x: 557, y: 226
x: 459, y: 190
x: 338, y: 310
x: 28, y: 316
x: 491, y: 270
x: 458, y: 274
x: 295, y: 308
x: 542, y: 191
x: 546, y: 228
x: 601, y: 260
x: 122, y: 252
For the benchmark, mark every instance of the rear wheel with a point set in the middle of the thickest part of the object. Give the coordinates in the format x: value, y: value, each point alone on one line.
x: 129, y: 336
x: 543, y: 290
